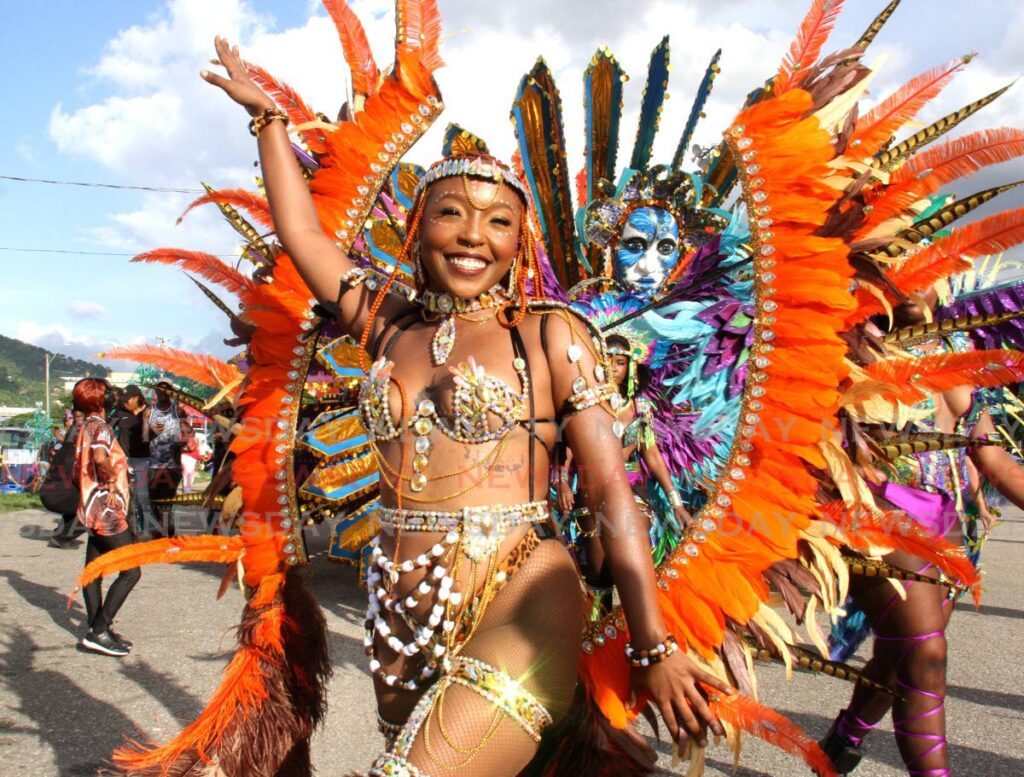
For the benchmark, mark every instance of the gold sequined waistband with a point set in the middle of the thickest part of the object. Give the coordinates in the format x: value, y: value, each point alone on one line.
x: 482, y: 518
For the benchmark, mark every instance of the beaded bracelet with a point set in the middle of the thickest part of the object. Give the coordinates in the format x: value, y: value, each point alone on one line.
x: 675, y: 499
x: 265, y: 117
x: 654, y: 655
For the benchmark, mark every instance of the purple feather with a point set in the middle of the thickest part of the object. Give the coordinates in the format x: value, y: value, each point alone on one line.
x: 1001, y: 299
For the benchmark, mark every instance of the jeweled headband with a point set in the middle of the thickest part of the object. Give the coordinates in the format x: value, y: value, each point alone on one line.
x: 475, y: 166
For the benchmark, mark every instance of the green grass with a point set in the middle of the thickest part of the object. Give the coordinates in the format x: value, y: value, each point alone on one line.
x: 11, y: 502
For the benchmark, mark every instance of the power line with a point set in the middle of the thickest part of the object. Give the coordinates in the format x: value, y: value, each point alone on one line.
x: 161, y: 189
x: 86, y: 253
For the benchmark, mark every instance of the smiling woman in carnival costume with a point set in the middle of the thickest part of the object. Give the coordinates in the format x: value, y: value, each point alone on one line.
x: 465, y: 368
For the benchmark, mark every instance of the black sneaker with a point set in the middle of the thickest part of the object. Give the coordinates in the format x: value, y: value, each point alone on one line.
x: 127, y: 643
x: 103, y: 642
x: 843, y: 753
x: 64, y: 543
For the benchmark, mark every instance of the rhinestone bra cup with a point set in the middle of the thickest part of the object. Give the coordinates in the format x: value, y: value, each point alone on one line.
x: 476, y: 397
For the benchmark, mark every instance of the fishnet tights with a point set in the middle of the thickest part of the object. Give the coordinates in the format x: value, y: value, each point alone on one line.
x: 531, y: 631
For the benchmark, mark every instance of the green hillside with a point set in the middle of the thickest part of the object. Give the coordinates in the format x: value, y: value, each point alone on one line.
x: 23, y: 372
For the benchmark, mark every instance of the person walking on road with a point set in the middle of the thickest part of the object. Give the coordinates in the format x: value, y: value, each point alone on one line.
x: 103, y: 509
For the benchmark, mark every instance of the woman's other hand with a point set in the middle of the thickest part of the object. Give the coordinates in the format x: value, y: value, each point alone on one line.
x: 682, y: 516
x: 565, y: 497
x: 238, y: 86
x: 674, y: 687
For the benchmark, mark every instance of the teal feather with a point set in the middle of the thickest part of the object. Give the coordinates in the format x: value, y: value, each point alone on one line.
x: 697, y: 111
x: 650, y: 110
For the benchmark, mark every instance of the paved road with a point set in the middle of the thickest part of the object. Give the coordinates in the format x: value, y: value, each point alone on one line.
x: 63, y: 711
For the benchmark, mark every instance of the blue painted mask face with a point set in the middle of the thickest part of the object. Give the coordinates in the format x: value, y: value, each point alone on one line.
x: 647, y: 250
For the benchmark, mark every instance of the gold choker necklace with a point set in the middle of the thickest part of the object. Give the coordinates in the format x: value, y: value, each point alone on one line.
x: 448, y: 306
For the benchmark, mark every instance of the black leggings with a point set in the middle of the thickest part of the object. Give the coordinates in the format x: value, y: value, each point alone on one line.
x: 163, y: 484
x: 101, y: 610
x: 65, y: 528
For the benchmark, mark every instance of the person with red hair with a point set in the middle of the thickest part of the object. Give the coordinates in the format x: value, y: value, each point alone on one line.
x: 102, y: 469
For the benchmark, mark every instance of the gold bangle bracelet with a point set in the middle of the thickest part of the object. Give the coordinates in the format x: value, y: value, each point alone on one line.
x: 265, y: 117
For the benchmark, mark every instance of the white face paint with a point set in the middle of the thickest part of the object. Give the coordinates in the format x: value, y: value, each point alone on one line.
x: 646, y: 251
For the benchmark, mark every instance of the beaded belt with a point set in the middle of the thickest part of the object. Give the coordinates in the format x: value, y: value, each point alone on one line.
x: 481, y: 528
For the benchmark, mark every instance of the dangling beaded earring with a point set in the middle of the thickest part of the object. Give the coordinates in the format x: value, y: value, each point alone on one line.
x: 513, y: 273
x: 631, y: 378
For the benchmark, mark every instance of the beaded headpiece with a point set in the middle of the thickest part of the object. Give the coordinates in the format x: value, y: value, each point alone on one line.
x: 606, y: 310
x: 678, y: 193
x: 476, y: 166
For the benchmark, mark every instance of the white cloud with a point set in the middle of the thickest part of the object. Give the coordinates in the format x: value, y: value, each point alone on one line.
x: 27, y: 152
x: 60, y: 339
x: 115, y: 131
x: 160, y: 124
x: 80, y: 308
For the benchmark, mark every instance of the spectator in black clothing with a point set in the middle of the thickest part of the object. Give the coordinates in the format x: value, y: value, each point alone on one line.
x: 165, y: 457
x: 131, y: 425
x: 63, y: 536
x: 48, y: 449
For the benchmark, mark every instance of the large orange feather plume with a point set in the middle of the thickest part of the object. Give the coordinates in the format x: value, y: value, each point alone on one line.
x: 895, y: 531
x: 805, y: 50
x: 946, y: 256
x: 881, y: 122
x: 912, y: 379
x: 288, y: 100
x: 200, y: 263
x: 930, y: 170
x: 171, y: 550
x: 256, y: 206
x: 357, y: 48
x: 991, y: 235
x: 421, y: 29
x: 202, y: 368
x: 962, y: 156
x: 744, y: 714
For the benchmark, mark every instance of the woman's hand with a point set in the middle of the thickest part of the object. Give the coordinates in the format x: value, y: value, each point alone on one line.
x: 238, y: 86
x: 673, y: 686
x: 565, y: 497
x: 682, y: 516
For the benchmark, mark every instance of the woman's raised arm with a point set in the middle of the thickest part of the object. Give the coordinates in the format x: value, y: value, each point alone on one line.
x: 316, y: 256
x: 672, y: 684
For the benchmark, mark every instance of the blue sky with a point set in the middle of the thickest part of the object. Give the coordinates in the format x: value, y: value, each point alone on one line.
x: 107, y: 92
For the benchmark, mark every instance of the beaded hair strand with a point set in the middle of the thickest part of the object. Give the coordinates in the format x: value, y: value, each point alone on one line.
x: 524, y: 266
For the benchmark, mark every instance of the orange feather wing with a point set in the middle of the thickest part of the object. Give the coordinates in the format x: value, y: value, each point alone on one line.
x: 930, y: 170
x: 290, y: 102
x: 805, y: 50
x: 357, y: 48
x: 421, y: 28
x: 894, y: 531
x: 205, y: 265
x: 991, y: 235
x: 208, y: 370
x: 175, y: 550
x: 257, y: 207
x: 743, y: 713
x: 880, y: 123
x: 962, y: 156
x: 912, y: 379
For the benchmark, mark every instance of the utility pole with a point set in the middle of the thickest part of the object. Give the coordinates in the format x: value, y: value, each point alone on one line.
x: 48, y: 357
